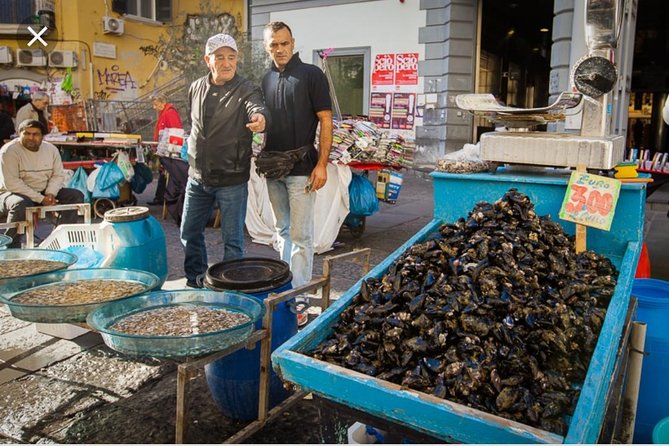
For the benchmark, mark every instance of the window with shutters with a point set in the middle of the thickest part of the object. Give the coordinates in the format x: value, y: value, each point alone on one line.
x: 12, y: 11
x: 158, y: 10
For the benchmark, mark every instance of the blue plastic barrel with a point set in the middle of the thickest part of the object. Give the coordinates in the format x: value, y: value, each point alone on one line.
x: 234, y: 380
x: 141, y: 241
x: 653, y: 309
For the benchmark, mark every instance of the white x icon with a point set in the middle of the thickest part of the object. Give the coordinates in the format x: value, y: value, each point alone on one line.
x: 38, y: 36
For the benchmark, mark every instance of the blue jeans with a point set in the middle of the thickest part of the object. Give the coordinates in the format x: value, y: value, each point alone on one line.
x: 198, y: 206
x: 294, y: 212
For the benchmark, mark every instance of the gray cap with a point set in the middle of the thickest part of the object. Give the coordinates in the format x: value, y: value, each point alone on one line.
x: 219, y: 41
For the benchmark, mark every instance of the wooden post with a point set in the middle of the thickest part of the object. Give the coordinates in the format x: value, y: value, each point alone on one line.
x: 580, y: 238
x: 581, y: 230
x: 182, y: 382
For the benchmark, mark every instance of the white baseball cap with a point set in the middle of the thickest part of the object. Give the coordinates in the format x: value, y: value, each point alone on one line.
x: 219, y: 41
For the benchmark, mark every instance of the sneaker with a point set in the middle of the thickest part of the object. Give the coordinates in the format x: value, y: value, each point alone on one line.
x: 193, y: 284
x: 302, y: 319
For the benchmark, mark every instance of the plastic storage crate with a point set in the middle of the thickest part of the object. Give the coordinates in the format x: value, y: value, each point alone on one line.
x: 92, y: 243
x: 129, y: 237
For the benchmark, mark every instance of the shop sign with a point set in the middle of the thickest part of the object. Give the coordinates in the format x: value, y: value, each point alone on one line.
x: 590, y: 200
x: 406, y: 69
x: 384, y: 69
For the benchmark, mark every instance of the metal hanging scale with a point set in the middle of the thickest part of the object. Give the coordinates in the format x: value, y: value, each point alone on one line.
x: 594, y: 76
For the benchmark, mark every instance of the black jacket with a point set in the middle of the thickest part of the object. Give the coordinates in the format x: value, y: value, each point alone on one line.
x: 6, y: 127
x: 222, y: 157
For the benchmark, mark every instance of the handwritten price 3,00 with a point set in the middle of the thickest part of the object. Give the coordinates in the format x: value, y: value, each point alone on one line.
x: 594, y: 201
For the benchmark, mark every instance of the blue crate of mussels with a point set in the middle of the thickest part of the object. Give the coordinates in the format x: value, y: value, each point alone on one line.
x: 485, y: 326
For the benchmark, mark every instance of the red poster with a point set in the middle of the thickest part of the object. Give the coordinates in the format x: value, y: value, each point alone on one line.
x: 404, y: 105
x: 406, y: 69
x: 384, y: 69
x: 379, y: 109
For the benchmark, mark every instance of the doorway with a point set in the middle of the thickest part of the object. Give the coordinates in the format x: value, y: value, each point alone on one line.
x: 515, y: 51
x: 350, y: 72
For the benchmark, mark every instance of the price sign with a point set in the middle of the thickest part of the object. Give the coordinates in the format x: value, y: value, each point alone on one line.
x: 590, y: 200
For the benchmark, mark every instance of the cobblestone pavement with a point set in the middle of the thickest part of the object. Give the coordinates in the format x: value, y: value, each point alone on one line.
x: 56, y: 390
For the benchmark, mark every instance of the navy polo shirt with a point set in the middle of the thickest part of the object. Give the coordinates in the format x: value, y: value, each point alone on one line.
x: 293, y: 96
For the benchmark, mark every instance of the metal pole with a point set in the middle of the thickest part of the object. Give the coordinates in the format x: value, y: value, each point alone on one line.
x: 355, y: 256
x: 333, y: 94
x: 265, y: 360
x: 631, y: 397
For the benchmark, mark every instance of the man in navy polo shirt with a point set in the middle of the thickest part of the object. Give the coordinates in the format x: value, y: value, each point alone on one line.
x: 298, y: 98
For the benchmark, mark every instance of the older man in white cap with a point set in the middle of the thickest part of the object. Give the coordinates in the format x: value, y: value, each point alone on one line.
x: 225, y: 111
x: 35, y: 109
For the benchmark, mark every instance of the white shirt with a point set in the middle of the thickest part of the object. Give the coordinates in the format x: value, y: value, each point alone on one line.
x: 29, y: 173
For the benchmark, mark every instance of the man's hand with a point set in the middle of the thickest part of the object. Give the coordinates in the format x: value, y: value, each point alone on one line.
x: 318, y: 178
x: 49, y: 200
x: 257, y: 123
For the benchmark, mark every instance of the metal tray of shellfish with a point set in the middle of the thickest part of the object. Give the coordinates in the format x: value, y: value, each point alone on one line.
x: 177, y: 323
x: 67, y: 296
x: 445, y: 287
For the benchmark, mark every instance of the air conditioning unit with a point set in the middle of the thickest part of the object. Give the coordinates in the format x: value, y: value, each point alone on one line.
x: 62, y: 59
x: 5, y: 54
x: 111, y: 25
x: 30, y: 58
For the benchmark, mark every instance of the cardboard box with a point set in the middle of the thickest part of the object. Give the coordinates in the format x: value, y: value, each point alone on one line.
x: 388, y: 185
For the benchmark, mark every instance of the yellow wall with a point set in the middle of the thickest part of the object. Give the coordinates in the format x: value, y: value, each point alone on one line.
x: 78, y: 26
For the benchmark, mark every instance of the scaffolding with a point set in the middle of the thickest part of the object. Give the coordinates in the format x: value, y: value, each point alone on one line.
x: 136, y: 116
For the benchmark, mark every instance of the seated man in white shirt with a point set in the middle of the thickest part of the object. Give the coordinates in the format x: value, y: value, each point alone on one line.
x: 32, y: 174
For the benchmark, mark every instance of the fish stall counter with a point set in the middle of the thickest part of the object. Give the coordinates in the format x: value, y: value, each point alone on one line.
x: 454, y: 196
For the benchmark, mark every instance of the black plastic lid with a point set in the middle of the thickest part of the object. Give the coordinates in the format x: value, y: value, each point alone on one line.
x: 250, y: 275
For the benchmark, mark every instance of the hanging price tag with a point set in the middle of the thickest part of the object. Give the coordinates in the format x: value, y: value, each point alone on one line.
x: 590, y: 200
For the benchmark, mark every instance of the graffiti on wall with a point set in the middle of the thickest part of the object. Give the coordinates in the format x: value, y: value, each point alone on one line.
x: 114, y: 80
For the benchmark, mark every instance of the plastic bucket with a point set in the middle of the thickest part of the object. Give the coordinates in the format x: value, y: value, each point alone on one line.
x: 234, y: 380
x: 653, y: 309
x: 661, y: 432
x: 643, y: 267
x: 141, y: 241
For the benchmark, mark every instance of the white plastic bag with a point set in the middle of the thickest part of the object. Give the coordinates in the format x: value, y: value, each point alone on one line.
x: 330, y: 209
x: 90, y: 182
x: 123, y: 162
x: 466, y: 160
x: 170, y: 141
